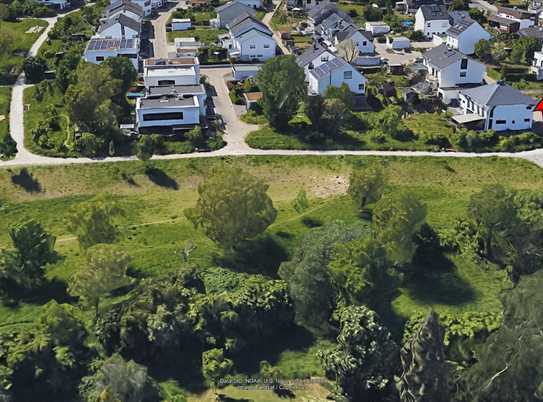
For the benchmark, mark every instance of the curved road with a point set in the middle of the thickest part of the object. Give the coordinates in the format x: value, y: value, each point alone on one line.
x: 236, y: 131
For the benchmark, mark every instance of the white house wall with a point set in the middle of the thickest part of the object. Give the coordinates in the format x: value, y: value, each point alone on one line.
x: 466, y: 41
x: 451, y: 76
x: 430, y: 28
x: 191, y: 115
x: 254, y: 45
x: 115, y: 32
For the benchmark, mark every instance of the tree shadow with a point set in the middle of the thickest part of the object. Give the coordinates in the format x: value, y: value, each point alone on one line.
x: 161, y: 178
x: 262, y: 255
x: 26, y: 181
x: 53, y: 289
x: 311, y: 222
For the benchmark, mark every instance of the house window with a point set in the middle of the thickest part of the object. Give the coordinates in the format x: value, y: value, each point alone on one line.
x: 347, y: 75
x: 526, y: 120
x: 500, y: 122
x: 360, y: 87
x: 252, y: 46
x: 529, y: 107
x: 166, y: 82
x: 464, y: 64
x: 513, y: 122
x: 99, y: 58
x: 429, y: 25
x: 266, y: 46
x: 324, y: 59
x: 463, y: 74
x: 259, y: 55
x: 163, y: 116
x: 364, y: 43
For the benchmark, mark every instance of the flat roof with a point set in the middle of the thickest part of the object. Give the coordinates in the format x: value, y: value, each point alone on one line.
x: 176, y: 90
x: 172, y: 101
x: 242, y: 67
x: 170, y: 71
x: 178, y: 61
x: 466, y: 118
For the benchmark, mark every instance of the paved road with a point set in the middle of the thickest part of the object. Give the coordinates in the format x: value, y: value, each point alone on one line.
x: 489, y: 8
x: 160, y: 39
x: 276, y: 34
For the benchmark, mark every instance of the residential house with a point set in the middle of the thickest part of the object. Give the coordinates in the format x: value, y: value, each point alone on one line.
x: 503, y: 24
x: 498, y: 107
x: 525, y: 18
x: 306, y: 5
x: 377, y: 28
x: 167, y: 72
x: 229, y: 12
x: 432, y: 20
x: 535, y: 32
x: 186, y: 47
x: 127, y: 8
x: 335, y: 72
x: 250, y: 40
x: 100, y: 49
x: 319, y: 13
x: 411, y: 6
x: 398, y: 43
x: 464, y: 33
x: 363, y: 40
x: 181, y: 112
x: 119, y: 26
x: 181, y: 24
x: 60, y: 4
x: 251, y: 3
x: 182, y: 91
x: 252, y: 99
x: 537, y: 65
x: 452, y: 70
x: 314, y: 56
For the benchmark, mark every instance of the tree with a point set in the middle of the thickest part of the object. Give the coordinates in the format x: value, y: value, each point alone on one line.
x: 300, y: 203
x: 397, y: 217
x: 105, y: 271
x: 195, y: 136
x: 308, y: 276
x: 372, y: 13
x: 122, y: 69
x: 508, y: 366
x: 89, y: 144
x: 342, y: 93
x: 483, y: 50
x: 389, y: 121
x: 523, y: 49
x: 366, y: 186
x: 145, y: 148
x: 119, y: 380
x: 363, y: 361
x: 282, y: 83
x: 333, y: 115
x: 4, y: 12
x: 348, y: 50
x: 232, y: 206
x: 424, y: 372
x: 457, y: 5
x: 34, y: 68
x: 215, y: 366
x: 314, y: 109
x: 92, y: 221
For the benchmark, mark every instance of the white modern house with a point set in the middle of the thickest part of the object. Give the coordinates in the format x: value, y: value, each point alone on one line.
x: 335, y: 72
x: 363, y: 40
x: 250, y: 40
x: 229, y: 12
x: 168, y: 72
x: 464, y: 34
x: 100, y: 49
x: 125, y: 7
x: 432, y: 20
x: 241, y: 72
x: 181, y: 24
x: 313, y: 57
x: 537, y: 65
x: 498, y: 107
x: 167, y: 111
x: 119, y: 26
x: 452, y: 70
x: 60, y: 4
x: 186, y: 47
x: 398, y: 43
x: 179, y: 91
x: 525, y: 18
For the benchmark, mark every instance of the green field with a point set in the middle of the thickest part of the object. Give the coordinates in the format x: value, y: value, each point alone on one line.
x: 208, y: 36
x: 18, y: 43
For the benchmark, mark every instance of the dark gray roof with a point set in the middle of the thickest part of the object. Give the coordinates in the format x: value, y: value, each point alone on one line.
x: 167, y: 101
x: 124, y: 5
x: 326, y: 68
x: 502, y: 20
x: 111, y: 44
x: 415, y: 4
x: 246, y: 23
x: 532, y: 32
x: 498, y: 94
x: 174, y: 90
x: 323, y: 11
x: 442, y: 56
x: 332, y: 22
x: 434, y: 12
x: 350, y: 30
x: 123, y: 20
x: 232, y: 10
x: 310, y: 54
x: 457, y: 15
x: 460, y: 26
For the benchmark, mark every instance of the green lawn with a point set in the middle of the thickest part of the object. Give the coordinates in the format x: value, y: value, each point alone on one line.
x: 154, y: 228
x: 208, y: 36
x: 356, y: 11
x: 20, y: 42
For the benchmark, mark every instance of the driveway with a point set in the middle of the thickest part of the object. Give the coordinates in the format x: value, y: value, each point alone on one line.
x: 395, y: 57
x: 160, y: 40
x: 485, y: 5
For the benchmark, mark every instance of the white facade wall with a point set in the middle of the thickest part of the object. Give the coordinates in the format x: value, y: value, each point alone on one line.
x: 97, y: 57
x: 156, y: 79
x: 356, y: 82
x: 466, y: 41
x: 454, y: 75
x: 254, y: 45
x: 181, y: 25
x: 191, y: 115
x: 323, y: 58
x: 524, y: 22
x: 363, y: 44
x: 376, y: 29
x: 430, y: 28
x: 116, y: 32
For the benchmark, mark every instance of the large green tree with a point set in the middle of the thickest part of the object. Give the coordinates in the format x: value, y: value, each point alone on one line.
x: 424, y: 375
x: 366, y: 185
x: 232, y: 206
x: 308, y: 275
x: 397, y: 218
x: 282, y: 83
x: 364, y: 360
x: 509, y: 365
x: 215, y: 366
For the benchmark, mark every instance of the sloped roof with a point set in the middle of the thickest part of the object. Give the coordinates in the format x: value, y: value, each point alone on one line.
x: 123, y: 20
x: 498, y: 94
x: 124, y: 5
x: 460, y: 25
x: 323, y: 11
x: 232, y: 10
x: 310, y: 54
x: 111, y: 44
x: 532, y: 32
x: 434, y: 12
x: 442, y: 56
x: 350, y: 30
x: 326, y: 68
x: 246, y: 23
